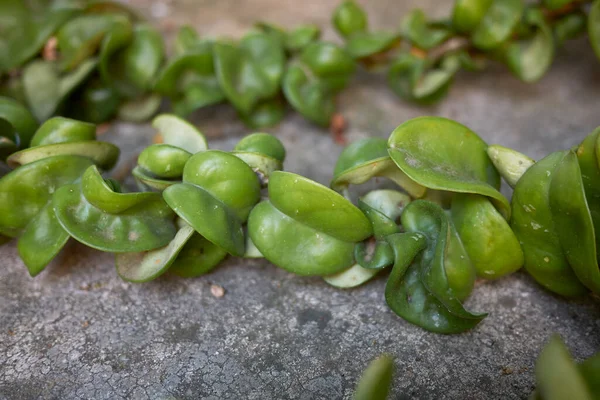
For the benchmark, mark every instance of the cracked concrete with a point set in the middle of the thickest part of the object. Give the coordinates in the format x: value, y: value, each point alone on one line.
x: 78, y: 332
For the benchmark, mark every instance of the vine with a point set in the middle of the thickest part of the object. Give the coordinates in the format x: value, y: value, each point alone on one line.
x: 446, y: 225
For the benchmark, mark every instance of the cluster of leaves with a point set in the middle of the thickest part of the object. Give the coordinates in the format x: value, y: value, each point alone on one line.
x: 556, y: 210
x: 448, y: 225
x: 96, y: 60
x: 91, y: 60
x: 423, y: 56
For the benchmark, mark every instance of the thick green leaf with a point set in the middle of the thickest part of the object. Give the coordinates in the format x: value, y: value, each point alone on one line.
x: 511, y: 164
x: 349, y: 18
x: 163, y: 160
x: 533, y: 224
x: 491, y: 244
x: 25, y: 191
x: 177, y: 132
x: 441, y: 154
x: 531, y: 57
x: 361, y: 45
x: 296, y: 247
x: 45, y: 88
x: 556, y: 374
x: 227, y: 178
x: 366, y: 159
x: 354, y: 276
x: 251, y: 71
x: 81, y: 37
x: 190, y: 80
x: 103, y: 154
x: 317, y: 207
x: 42, y: 240
x: 20, y: 125
x: 145, y: 266
x: 208, y: 215
x: 573, y: 221
x: 467, y: 14
x: 416, y: 29
x: 133, y: 67
x: 498, y: 23
x: 198, y: 257
x: 92, y: 213
x: 376, y: 381
x: 307, y: 95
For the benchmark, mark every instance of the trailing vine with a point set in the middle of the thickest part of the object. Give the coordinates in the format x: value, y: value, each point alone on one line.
x: 445, y: 225
x: 98, y: 60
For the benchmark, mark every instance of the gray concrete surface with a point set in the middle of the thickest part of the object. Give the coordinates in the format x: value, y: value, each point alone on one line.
x: 77, y: 331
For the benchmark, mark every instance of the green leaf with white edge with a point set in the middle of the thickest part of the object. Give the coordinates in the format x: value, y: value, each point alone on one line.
x: 25, y: 191
x: 593, y: 25
x: 511, y: 164
x: 368, y: 158
x: 177, y: 132
x: 530, y: 58
x: 491, y: 244
x: 533, y: 224
x: 41, y: 241
x: 573, y: 221
x: 557, y: 376
x: 318, y: 207
x: 467, y: 14
x: 294, y: 246
x: 352, y: 277
x: 376, y: 381
x: 439, y: 153
x: 103, y: 154
x: 145, y: 266
x: 498, y: 23
x: 349, y: 19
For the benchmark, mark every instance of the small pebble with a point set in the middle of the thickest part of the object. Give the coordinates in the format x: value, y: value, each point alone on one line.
x: 217, y: 291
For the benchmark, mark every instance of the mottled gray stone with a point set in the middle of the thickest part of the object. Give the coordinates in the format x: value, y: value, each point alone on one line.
x: 78, y: 331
